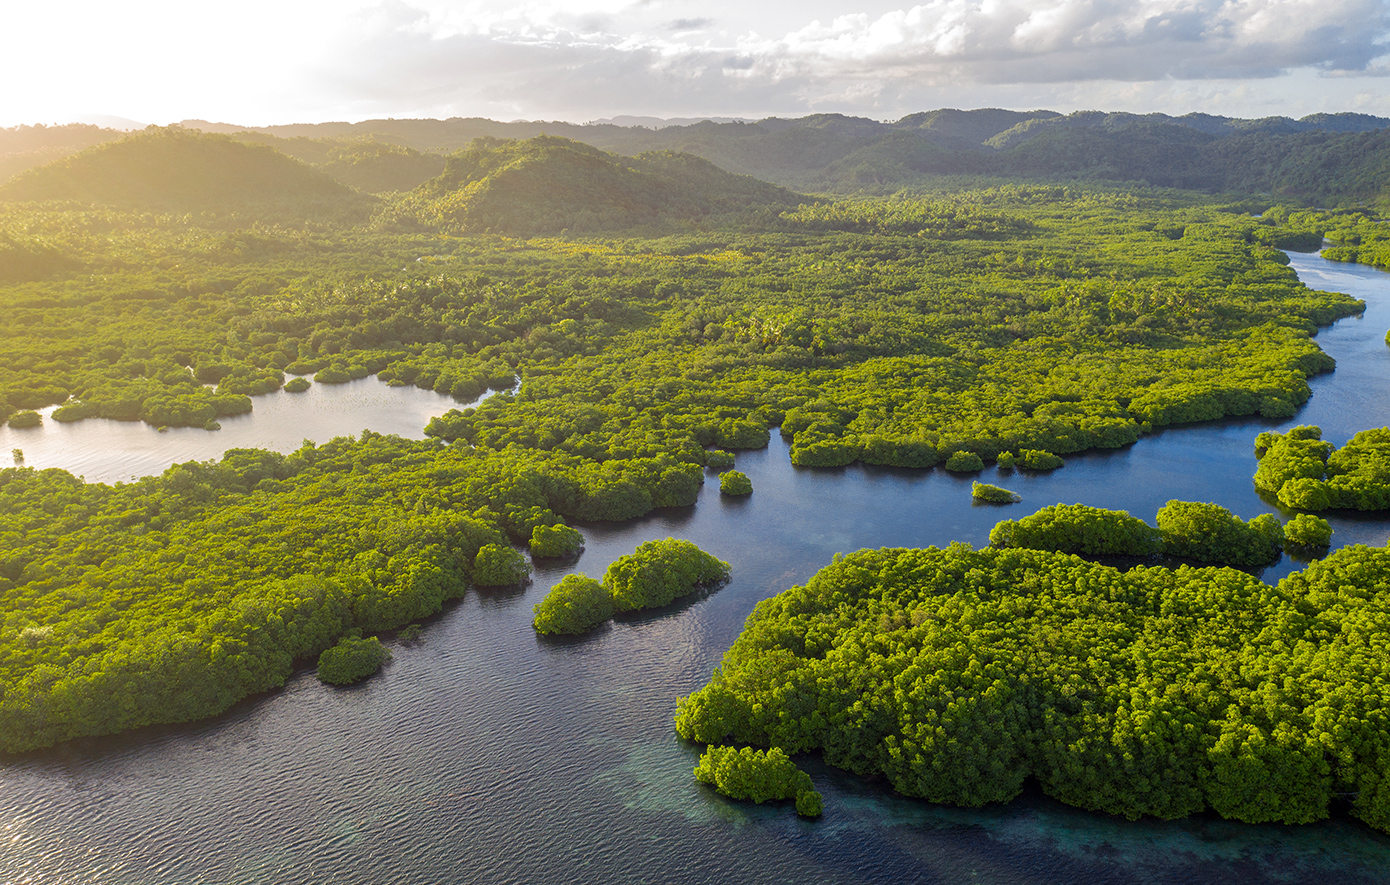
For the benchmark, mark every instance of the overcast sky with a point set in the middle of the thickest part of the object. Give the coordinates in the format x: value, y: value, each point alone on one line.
x: 258, y: 62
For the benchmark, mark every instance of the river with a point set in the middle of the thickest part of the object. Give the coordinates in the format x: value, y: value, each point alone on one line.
x: 484, y: 754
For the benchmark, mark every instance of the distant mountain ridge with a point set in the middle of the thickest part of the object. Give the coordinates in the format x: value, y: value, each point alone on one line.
x: 837, y: 152
x: 1327, y: 159
x: 984, y: 127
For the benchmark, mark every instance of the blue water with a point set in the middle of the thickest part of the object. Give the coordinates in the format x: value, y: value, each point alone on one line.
x: 483, y: 753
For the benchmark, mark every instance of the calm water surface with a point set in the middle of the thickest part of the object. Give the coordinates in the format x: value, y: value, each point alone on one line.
x: 102, y: 450
x: 484, y: 754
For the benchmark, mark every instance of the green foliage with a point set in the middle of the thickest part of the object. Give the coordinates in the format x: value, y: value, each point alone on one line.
x: 1006, y: 461
x: 981, y: 491
x: 956, y: 675
x: 1305, y: 473
x: 809, y: 804
x: 922, y: 218
x: 1076, y: 528
x: 556, y: 540
x: 575, y: 605
x: 1024, y: 317
x: 26, y: 418
x: 498, y: 565
x: 754, y: 775
x: 352, y: 660
x: 171, y: 598
x: 735, y: 483
x: 1035, y: 460
x: 718, y: 459
x: 297, y: 385
x: 1308, y: 531
x: 659, y: 572
x: 1211, y: 533
x: 965, y: 462
x: 549, y: 184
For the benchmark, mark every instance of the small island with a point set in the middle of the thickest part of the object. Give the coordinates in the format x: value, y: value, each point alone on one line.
x: 735, y: 484
x: 655, y: 574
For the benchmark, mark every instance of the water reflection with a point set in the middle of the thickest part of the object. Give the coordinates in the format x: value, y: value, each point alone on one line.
x: 110, y: 451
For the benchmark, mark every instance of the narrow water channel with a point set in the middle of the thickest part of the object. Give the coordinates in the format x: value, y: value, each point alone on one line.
x: 484, y: 754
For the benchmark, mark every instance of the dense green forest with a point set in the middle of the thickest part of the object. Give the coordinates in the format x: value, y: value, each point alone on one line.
x: 1304, y: 473
x: 912, y: 331
x: 958, y: 674
x: 1184, y: 530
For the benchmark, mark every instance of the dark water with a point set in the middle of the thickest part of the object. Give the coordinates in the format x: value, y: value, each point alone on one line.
x: 484, y: 754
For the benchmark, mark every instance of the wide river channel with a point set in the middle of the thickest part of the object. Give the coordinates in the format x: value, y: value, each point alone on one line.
x: 484, y: 754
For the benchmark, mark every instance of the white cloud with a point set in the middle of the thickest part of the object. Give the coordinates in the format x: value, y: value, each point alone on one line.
x: 281, y: 60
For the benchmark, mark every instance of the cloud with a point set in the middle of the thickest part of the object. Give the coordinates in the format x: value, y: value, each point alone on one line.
x: 596, y: 60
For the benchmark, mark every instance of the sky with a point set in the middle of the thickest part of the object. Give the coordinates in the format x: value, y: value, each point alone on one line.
x: 263, y: 62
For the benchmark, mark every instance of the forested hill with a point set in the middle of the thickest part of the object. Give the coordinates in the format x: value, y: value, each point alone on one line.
x: 548, y: 184
x: 1276, y: 155
x: 178, y: 170
x: 1325, y: 159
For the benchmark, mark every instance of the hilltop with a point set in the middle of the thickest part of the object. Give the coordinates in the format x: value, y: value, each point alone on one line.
x: 178, y: 170
x: 549, y: 184
x: 1323, y: 159
x: 835, y: 152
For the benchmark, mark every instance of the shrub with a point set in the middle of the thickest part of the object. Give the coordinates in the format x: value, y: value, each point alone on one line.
x: 965, y: 462
x: 1036, y: 460
x: 735, y: 483
x: 718, y: 459
x: 351, y: 660
x: 822, y: 451
x: 755, y: 775
x: 575, y: 605
x: 808, y: 803
x: 1005, y: 461
x: 334, y: 374
x: 992, y: 494
x: 1307, y: 530
x: 26, y: 418
x: 743, y: 434
x: 1211, y: 533
x: 297, y: 385
x: 558, y: 540
x: 658, y: 572
x: 1076, y: 528
x: 498, y: 565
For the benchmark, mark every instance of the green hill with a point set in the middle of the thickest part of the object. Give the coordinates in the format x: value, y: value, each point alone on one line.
x: 548, y: 184
x: 177, y: 170
x: 1325, y: 159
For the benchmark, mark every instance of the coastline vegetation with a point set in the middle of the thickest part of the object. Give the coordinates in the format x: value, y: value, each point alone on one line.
x: 735, y: 484
x: 1187, y: 530
x: 1304, y: 473
x: 629, y: 352
x: 958, y: 674
x: 655, y: 574
x: 352, y: 659
x: 982, y: 491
